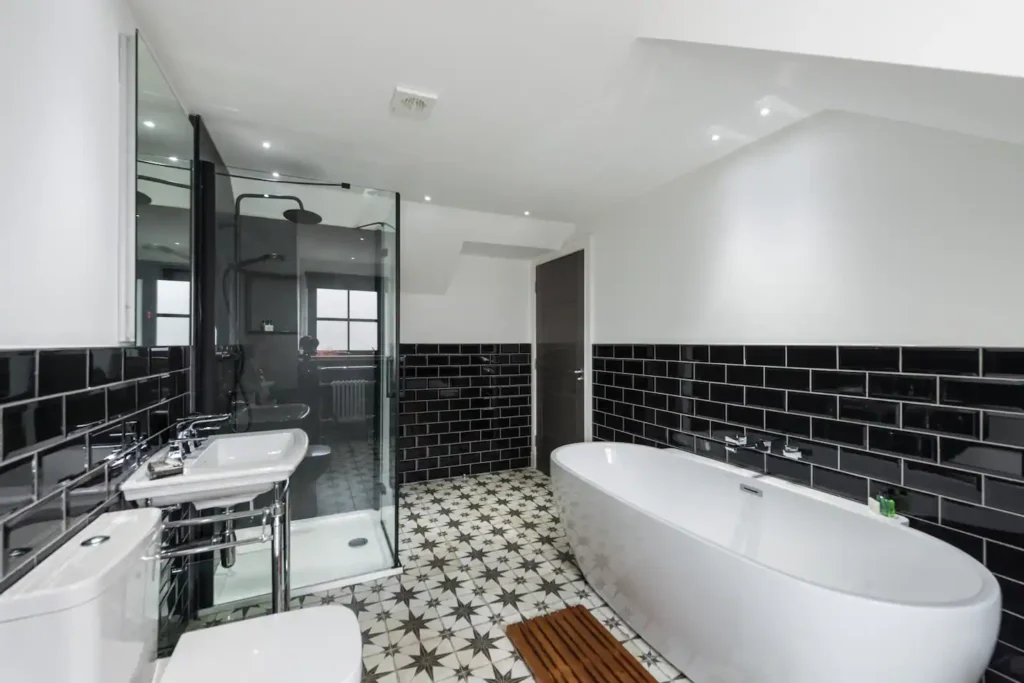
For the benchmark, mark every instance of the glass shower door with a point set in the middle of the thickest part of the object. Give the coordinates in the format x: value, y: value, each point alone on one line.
x: 387, y: 369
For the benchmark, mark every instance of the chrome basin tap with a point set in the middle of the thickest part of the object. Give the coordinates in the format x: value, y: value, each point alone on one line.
x: 188, y: 438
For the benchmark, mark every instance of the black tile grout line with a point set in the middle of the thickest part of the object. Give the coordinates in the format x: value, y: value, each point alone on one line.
x: 901, y: 403
x: 996, y: 378
x: 91, y: 389
x: 30, y: 451
x: 837, y: 445
x: 880, y: 480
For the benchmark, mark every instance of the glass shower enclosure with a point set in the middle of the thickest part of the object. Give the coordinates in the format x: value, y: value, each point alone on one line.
x: 306, y: 330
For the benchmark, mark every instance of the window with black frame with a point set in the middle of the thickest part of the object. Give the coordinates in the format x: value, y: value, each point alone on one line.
x: 346, y: 320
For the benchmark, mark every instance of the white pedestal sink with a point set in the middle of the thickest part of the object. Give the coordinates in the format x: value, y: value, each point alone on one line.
x: 226, y: 470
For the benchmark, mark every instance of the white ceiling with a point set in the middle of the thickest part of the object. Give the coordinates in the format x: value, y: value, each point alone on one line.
x: 559, y: 108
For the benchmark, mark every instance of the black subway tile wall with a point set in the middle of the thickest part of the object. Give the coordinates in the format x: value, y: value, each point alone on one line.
x: 56, y: 407
x: 939, y: 429
x: 466, y: 408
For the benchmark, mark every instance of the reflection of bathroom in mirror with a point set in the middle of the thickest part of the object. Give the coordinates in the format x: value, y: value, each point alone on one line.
x: 162, y: 209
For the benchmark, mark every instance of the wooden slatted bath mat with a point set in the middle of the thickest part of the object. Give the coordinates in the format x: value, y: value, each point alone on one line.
x: 572, y: 646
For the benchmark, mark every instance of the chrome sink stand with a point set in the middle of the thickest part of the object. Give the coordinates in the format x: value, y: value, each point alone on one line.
x: 277, y: 516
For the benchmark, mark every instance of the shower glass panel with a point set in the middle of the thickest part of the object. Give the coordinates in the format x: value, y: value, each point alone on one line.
x: 307, y: 319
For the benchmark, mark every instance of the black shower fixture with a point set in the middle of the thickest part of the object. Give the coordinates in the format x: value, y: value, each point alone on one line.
x: 302, y: 216
x: 273, y: 256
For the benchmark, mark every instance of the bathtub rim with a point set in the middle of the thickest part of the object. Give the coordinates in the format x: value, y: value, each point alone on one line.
x: 989, y: 591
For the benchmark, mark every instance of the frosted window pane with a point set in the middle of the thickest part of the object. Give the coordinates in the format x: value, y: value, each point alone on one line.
x: 172, y: 331
x: 364, y: 305
x: 364, y: 336
x: 333, y: 335
x: 173, y: 296
x: 331, y: 303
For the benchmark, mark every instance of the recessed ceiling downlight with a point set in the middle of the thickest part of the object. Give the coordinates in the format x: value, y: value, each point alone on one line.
x: 266, y: 144
x: 149, y: 124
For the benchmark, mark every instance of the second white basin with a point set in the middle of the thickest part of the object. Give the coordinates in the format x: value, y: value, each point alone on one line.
x: 227, y: 470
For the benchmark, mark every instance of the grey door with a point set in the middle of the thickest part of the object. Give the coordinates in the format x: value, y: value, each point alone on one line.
x: 559, y: 355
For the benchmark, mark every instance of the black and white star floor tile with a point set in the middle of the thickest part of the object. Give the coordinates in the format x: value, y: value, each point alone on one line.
x: 479, y: 553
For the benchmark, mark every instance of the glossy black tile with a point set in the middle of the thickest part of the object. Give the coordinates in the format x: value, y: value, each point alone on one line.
x: 746, y: 458
x: 1011, y: 630
x: 727, y: 354
x: 851, y: 383
x: 715, y: 411
x: 85, y: 409
x: 791, y: 470
x: 787, y: 423
x: 942, y: 480
x: 783, y: 378
x: 17, y: 375
x: 709, y: 449
x: 846, y: 433
x: 980, y: 457
x: 105, y: 366
x: 664, y: 418
x: 709, y: 373
x: 695, y: 425
x: 726, y: 393
x: 1003, y: 363
x: 765, y: 398
x: 811, y: 404
x: 666, y: 351
x: 972, y: 545
x: 643, y: 351
x: 1013, y: 595
x: 1005, y: 561
x: 694, y: 353
x: 918, y: 389
x: 1005, y: 495
x: 878, y: 358
x: 941, y: 420
x: 766, y: 355
x: 680, y: 440
x: 746, y: 375
x: 841, y: 484
x: 910, y: 444
x: 667, y: 385
x: 1007, y: 661
x: 1000, y: 428
x: 679, y: 370
x: 908, y: 501
x: 941, y: 361
x: 749, y: 417
x: 869, y: 410
x: 998, y: 395
x: 817, y: 453
x: 62, y: 370
x: 985, y: 522
x: 136, y: 363
x: 694, y: 389
x: 121, y: 400
x: 654, y: 368
x: 811, y: 357
x: 28, y: 424
x: 869, y: 464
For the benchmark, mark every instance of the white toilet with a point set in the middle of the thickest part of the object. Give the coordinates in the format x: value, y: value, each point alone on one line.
x: 88, y: 614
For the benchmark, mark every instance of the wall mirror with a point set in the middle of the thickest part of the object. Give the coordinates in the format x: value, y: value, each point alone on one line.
x: 163, y: 202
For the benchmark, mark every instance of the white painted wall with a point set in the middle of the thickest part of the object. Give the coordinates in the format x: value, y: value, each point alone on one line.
x: 487, y: 301
x: 962, y: 35
x: 59, y: 133
x: 843, y: 229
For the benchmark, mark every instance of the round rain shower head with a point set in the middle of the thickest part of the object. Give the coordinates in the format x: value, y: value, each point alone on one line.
x: 302, y: 216
x: 143, y: 199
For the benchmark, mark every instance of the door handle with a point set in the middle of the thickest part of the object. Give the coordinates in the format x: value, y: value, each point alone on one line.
x: 579, y: 375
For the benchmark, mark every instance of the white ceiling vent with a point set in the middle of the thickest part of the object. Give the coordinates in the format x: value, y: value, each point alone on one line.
x: 412, y: 104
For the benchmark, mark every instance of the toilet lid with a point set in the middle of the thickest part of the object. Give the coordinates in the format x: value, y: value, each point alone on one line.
x: 310, y: 645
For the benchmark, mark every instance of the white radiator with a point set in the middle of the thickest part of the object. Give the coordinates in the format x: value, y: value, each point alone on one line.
x: 351, y: 400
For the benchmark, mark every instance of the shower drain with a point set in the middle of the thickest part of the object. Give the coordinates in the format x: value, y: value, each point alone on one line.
x: 357, y: 542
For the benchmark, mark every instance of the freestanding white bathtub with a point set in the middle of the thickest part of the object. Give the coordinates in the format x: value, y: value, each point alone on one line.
x: 772, y: 584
